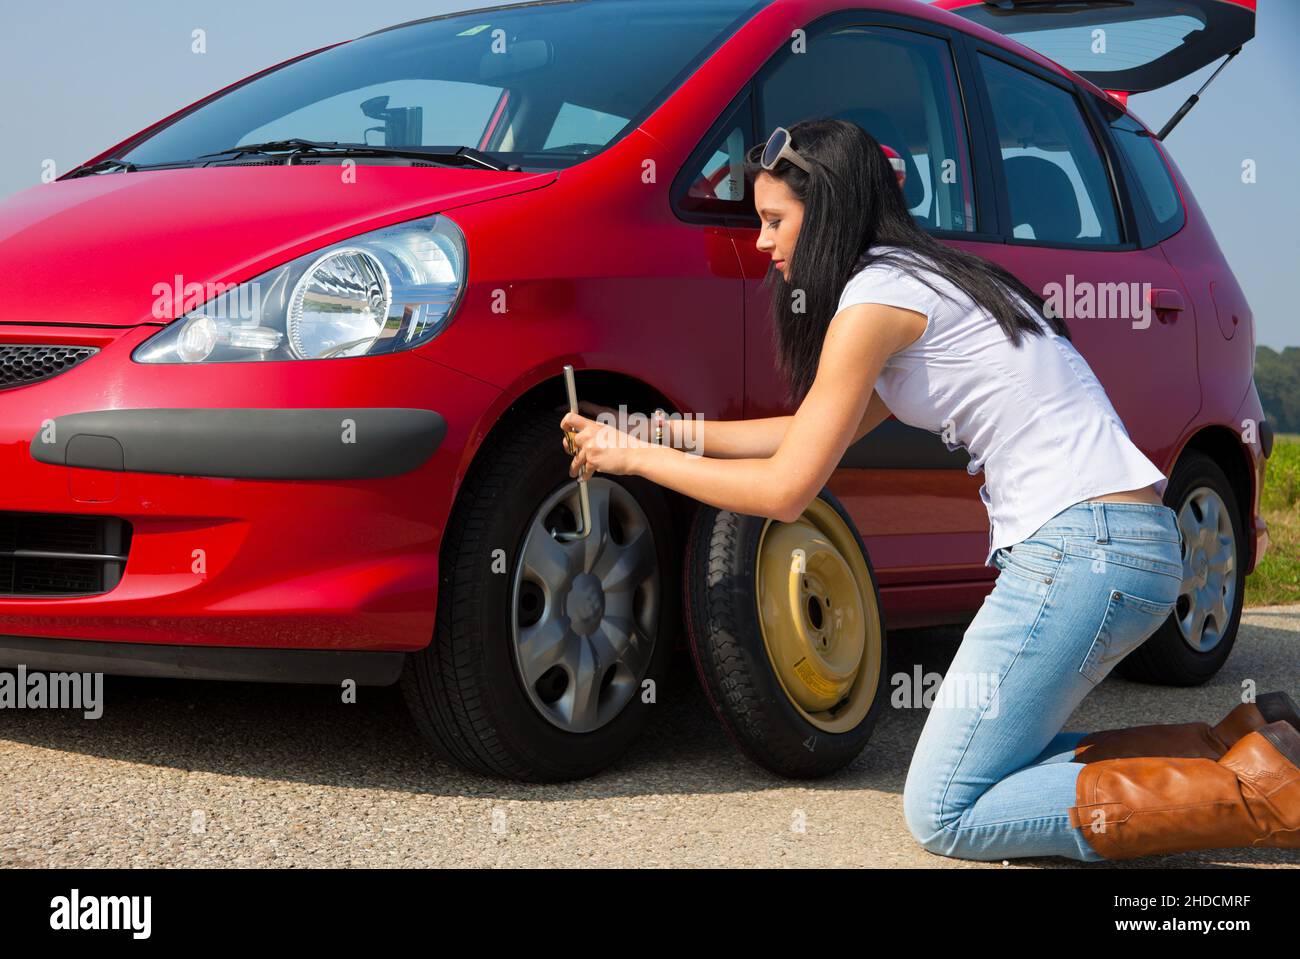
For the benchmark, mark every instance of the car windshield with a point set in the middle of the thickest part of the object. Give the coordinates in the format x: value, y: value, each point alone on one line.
x: 543, y: 85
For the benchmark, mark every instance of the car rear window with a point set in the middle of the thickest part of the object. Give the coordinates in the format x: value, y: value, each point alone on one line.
x: 1058, y: 188
x: 1148, y: 166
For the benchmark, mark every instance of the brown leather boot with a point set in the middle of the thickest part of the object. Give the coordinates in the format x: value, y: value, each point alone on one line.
x: 1188, y: 739
x: 1144, y: 805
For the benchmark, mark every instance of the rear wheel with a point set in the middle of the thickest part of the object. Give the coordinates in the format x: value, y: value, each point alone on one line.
x: 785, y: 627
x: 1194, y: 643
x: 548, y: 653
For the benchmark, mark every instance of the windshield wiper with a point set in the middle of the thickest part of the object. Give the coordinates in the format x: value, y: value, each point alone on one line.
x: 270, y: 146
x: 296, y: 147
x: 102, y: 166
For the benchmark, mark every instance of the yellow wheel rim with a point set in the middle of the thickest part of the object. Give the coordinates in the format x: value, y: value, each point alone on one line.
x: 818, y: 615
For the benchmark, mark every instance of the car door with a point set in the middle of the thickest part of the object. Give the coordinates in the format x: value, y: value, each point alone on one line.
x: 1151, y: 372
x: 914, y: 501
x: 1072, y: 230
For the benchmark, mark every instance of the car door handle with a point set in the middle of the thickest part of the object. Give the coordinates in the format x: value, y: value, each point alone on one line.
x: 1166, y: 304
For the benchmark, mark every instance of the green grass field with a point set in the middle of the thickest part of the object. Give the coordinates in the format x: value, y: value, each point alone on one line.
x: 1277, y: 578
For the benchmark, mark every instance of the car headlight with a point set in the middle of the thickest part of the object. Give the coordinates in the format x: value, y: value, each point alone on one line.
x: 392, y: 289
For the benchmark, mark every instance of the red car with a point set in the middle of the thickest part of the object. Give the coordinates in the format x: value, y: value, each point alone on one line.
x: 294, y: 412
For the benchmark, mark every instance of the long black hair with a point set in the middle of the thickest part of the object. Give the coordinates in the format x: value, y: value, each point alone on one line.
x: 852, y: 202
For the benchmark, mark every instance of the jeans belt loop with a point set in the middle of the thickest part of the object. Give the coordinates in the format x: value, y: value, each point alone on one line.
x: 1099, y: 518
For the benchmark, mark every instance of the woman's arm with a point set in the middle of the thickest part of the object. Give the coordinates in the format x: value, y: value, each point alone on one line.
x: 724, y: 439
x: 877, y: 413
x: 745, y: 439
x: 729, y: 439
x: 832, y: 415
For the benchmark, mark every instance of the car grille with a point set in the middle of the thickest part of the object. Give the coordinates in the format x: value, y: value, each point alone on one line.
x: 20, y: 365
x: 50, y: 554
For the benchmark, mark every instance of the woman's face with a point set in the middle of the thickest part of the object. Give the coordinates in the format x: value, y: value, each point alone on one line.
x: 782, y: 214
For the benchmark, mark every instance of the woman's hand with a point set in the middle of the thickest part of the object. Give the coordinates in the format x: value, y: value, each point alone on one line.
x: 600, y: 448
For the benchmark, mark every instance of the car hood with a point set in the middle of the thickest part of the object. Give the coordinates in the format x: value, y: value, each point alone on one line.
x: 90, y: 251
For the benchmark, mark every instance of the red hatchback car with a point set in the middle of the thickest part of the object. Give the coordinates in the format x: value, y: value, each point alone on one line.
x: 296, y: 414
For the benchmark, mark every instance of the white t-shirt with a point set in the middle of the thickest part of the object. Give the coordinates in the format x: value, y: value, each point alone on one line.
x: 1034, y: 418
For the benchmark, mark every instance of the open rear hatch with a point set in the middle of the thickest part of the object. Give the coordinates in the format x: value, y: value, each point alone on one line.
x: 1145, y: 44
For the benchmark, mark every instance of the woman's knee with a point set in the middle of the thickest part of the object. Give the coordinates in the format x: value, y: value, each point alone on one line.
x: 928, y: 831
x: 938, y: 833
x: 934, y: 835
x: 930, y: 824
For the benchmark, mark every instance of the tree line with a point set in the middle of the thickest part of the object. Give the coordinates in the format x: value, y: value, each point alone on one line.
x: 1277, y: 377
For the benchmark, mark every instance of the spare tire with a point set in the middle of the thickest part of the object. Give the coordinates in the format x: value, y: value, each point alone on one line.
x: 785, y: 626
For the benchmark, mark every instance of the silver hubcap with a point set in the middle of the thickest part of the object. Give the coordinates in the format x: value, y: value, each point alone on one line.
x: 1209, y: 569
x: 585, y: 611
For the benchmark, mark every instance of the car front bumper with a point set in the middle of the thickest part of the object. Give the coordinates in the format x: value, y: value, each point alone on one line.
x: 290, y: 506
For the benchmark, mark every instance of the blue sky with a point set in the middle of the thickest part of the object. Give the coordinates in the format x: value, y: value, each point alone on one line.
x: 82, y: 75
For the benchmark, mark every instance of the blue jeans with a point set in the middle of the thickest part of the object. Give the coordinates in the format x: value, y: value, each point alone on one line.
x: 992, y: 776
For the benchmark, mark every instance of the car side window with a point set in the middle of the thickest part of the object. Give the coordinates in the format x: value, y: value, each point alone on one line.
x: 722, y: 174
x: 1058, y: 189
x: 1153, y: 177
x: 899, y: 86
x: 712, y: 180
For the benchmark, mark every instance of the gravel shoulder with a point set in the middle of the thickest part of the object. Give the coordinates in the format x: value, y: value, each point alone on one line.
x: 182, y: 773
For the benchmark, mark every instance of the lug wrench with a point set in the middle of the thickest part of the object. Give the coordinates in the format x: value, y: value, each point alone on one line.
x: 583, y: 497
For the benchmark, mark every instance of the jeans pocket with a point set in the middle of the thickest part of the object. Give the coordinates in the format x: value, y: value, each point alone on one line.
x: 1128, y: 622
x: 1034, y: 560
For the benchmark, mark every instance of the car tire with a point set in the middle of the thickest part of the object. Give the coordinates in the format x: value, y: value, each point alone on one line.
x: 771, y: 713
x: 1213, y: 590
x: 466, y: 689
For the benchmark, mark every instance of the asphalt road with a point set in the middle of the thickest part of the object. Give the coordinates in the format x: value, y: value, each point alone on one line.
x: 216, y: 774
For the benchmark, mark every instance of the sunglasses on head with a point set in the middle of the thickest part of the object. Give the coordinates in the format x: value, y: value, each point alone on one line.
x: 778, y: 148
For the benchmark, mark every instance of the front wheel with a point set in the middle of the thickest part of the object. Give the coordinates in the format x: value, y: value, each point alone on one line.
x: 548, y: 653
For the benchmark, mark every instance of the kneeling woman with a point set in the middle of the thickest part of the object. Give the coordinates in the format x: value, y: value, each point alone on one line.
x: 889, y: 319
